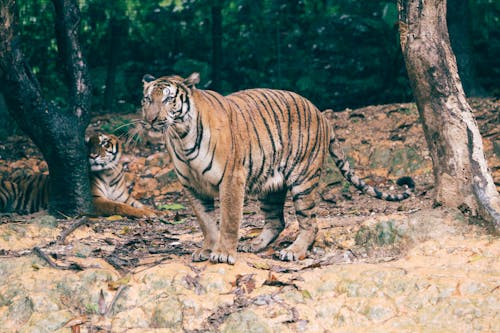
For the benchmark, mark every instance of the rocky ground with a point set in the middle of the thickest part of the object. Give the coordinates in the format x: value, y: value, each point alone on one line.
x: 375, y: 266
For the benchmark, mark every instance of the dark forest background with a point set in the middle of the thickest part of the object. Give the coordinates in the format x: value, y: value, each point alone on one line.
x: 338, y: 53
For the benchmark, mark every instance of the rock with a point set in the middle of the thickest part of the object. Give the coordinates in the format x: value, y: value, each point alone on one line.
x: 19, y: 311
x: 46, y: 221
x: 166, y: 313
x: 46, y: 322
x: 166, y: 176
x: 144, y: 188
x: 159, y: 159
x: 245, y: 321
x: 130, y: 319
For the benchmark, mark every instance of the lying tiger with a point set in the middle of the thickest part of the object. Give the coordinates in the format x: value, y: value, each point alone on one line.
x: 259, y: 141
x: 110, y: 195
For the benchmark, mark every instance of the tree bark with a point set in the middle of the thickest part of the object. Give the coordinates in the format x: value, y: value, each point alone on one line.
x: 59, y: 134
x: 455, y: 144
x: 216, y: 44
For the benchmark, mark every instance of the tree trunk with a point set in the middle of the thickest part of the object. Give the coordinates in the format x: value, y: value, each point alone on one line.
x: 455, y: 144
x: 458, y: 19
x: 216, y: 44
x: 59, y: 134
x: 116, y: 30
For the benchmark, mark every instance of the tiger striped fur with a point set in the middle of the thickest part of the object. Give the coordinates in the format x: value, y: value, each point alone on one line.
x: 110, y: 195
x: 259, y: 141
x: 109, y: 188
x: 24, y: 194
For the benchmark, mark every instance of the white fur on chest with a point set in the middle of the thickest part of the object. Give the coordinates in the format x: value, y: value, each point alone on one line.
x: 274, y: 182
x: 201, y: 173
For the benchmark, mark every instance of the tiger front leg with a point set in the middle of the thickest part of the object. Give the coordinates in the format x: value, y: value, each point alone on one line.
x: 205, y: 213
x: 232, y: 193
x: 104, y: 206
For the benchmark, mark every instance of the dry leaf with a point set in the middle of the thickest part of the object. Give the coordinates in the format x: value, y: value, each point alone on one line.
x: 475, y: 258
x: 76, y: 321
x: 114, y: 218
x: 273, y: 281
x: 254, y: 232
x: 101, y: 303
x: 306, y: 294
x: 124, y: 231
x: 114, y: 285
x: 259, y: 265
x: 244, y: 284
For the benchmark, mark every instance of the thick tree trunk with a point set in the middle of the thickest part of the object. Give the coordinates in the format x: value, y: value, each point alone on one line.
x: 216, y: 43
x: 460, y: 169
x: 458, y: 19
x: 5, y: 119
x: 58, y: 134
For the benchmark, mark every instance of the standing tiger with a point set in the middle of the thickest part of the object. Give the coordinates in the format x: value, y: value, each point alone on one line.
x: 110, y: 193
x: 260, y: 141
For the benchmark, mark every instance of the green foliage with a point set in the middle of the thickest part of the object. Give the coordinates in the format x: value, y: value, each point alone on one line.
x: 120, y: 126
x: 485, y: 21
x: 338, y: 53
x: 173, y: 206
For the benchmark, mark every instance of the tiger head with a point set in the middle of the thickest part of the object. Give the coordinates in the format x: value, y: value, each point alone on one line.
x: 167, y: 101
x: 104, y: 151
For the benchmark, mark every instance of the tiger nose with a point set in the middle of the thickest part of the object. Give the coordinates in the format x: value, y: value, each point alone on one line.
x: 152, y: 119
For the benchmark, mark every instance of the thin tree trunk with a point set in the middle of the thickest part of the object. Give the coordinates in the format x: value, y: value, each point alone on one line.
x: 59, y: 134
x: 460, y: 169
x: 216, y: 44
x: 67, y: 23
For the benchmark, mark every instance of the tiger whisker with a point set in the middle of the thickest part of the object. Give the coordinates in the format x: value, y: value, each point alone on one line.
x: 132, y: 122
x: 134, y: 134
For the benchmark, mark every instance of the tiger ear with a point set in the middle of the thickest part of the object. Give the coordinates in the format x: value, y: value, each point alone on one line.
x: 148, y: 78
x: 329, y: 114
x: 193, y: 79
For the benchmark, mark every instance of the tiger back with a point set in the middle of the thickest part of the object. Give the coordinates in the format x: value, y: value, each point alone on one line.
x: 258, y: 141
x: 24, y: 194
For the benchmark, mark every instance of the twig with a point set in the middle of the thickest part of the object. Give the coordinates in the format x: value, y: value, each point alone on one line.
x: 113, y: 301
x: 152, y: 264
x: 47, y: 259
x: 83, y: 220
x: 73, y: 266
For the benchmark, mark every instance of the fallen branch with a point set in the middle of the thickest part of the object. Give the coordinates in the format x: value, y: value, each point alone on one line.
x: 83, y: 220
x: 47, y: 259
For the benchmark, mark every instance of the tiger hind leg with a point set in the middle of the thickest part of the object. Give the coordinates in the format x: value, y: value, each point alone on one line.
x: 304, y: 200
x: 271, y: 206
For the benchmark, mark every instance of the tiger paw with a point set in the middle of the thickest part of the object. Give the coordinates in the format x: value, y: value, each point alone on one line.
x: 151, y: 213
x: 201, y: 255
x: 251, y: 247
x: 222, y: 257
x: 260, y: 242
x: 289, y: 255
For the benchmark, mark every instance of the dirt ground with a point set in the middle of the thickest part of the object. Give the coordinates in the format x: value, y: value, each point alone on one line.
x: 362, y: 242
